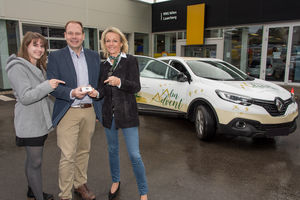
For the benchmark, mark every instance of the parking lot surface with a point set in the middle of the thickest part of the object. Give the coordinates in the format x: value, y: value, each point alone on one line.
x: 178, y: 165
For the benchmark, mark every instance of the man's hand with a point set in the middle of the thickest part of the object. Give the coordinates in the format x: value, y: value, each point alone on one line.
x: 77, y: 93
x: 93, y: 93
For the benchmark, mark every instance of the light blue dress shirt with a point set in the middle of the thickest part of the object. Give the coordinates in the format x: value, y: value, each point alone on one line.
x: 81, y: 69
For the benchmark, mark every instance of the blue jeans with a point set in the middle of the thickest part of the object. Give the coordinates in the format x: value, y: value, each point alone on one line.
x: 132, y: 142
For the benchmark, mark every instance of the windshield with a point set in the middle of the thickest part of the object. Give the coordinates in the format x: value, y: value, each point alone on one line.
x: 217, y: 70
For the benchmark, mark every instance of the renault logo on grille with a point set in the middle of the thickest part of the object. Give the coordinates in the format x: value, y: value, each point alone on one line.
x: 279, y: 104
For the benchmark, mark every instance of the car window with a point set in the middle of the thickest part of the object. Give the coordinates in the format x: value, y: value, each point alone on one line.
x: 216, y: 70
x: 142, y: 61
x: 152, y: 68
x: 180, y: 67
x: 166, y: 61
x: 172, y: 74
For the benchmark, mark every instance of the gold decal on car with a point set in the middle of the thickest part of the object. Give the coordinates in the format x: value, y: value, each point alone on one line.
x: 235, y: 107
x: 167, y: 98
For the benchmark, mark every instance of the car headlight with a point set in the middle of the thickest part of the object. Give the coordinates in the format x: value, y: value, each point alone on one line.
x: 234, y: 98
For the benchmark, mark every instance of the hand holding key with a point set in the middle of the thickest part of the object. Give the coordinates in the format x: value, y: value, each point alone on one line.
x: 93, y: 93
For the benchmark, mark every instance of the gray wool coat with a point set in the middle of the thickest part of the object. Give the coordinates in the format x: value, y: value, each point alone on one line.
x: 32, y: 115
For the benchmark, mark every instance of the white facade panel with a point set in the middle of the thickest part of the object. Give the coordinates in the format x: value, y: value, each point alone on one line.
x: 129, y: 16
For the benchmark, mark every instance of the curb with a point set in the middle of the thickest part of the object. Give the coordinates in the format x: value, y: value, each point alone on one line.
x: 6, y: 92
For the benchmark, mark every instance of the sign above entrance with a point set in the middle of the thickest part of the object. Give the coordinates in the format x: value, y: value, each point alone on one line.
x: 166, y: 17
x: 170, y: 16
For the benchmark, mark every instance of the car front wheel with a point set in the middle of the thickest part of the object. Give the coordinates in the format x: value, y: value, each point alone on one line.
x: 204, y: 123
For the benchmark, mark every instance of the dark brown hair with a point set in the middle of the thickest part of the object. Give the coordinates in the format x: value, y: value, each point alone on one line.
x: 23, y: 51
x: 73, y: 22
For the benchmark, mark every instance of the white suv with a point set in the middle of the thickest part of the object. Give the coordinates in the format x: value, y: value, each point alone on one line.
x: 215, y: 95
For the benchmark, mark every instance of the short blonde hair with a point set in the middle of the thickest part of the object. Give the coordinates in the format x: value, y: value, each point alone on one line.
x: 124, y: 41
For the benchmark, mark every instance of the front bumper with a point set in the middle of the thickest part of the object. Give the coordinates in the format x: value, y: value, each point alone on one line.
x: 252, y: 128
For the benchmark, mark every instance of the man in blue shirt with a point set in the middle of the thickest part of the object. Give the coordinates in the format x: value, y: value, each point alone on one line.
x: 74, y: 111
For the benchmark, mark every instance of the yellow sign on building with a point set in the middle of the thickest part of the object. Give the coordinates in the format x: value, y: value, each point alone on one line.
x: 195, y: 24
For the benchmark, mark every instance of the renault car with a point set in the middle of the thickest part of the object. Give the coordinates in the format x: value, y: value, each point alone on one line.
x: 216, y: 96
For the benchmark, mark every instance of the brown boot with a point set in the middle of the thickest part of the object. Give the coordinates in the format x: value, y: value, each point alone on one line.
x: 84, y: 193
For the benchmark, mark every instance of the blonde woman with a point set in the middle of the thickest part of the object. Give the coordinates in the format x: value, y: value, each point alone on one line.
x: 119, y: 81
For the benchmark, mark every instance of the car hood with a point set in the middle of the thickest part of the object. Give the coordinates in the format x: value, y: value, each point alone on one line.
x: 258, y: 89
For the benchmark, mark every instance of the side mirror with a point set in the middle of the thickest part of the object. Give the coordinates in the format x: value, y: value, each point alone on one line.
x: 181, y: 77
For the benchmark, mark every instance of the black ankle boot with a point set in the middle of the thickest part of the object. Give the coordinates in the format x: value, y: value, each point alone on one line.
x: 31, y: 196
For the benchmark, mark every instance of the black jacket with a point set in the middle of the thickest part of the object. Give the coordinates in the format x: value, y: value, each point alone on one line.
x: 120, y: 102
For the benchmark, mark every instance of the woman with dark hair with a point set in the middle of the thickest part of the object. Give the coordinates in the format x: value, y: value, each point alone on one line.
x: 118, y: 83
x: 26, y: 73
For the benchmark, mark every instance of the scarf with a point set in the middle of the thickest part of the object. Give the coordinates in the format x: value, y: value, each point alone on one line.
x: 115, y: 59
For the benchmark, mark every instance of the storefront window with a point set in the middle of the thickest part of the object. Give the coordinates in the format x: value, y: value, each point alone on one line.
x: 141, y: 44
x: 214, y: 33
x: 276, y: 54
x: 56, y: 32
x: 101, y: 52
x: 181, y: 35
x: 242, y: 48
x: 294, y: 74
x: 56, y: 38
x: 54, y: 35
x: 159, y: 44
x: 165, y: 44
x: 57, y: 44
x: 93, y: 39
x: 204, y: 51
x: 9, y: 43
x: 13, y: 38
x: 90, y: 40
x: 43, y: 30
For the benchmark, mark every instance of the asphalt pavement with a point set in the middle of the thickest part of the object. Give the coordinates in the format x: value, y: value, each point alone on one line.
x: 178, y: 165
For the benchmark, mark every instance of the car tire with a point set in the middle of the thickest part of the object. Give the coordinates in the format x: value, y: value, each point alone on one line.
x: 205, y: 123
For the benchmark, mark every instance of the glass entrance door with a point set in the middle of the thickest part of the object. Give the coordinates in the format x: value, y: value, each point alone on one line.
x: 276, y: 54
x: 294, y: 67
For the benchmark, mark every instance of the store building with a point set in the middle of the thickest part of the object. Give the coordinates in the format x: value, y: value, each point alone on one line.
x: 262, y: 38
x: 48, y: 17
